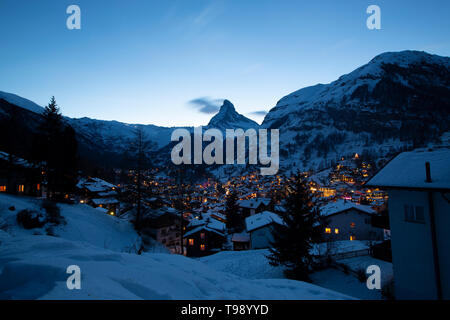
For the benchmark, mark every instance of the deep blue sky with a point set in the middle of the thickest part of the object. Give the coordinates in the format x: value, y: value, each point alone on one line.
x: 141, y: 61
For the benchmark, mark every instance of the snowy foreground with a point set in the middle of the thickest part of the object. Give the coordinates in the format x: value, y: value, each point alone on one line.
x: 33, y: 264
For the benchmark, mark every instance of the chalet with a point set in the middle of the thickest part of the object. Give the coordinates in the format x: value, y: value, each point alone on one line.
x: 209, y: 220
x: 347, y: 220
x: 18, y: 176
x: 98, y: 193
x: 418, y: 184
x: 241, y: 241
x: 204, y: 236
x: 202, y: 241
x: 252, y: 206
x: 165, y: 224
x: 260, y: 227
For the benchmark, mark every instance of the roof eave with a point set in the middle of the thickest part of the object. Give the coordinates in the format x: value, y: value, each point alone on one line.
x: 384, y: 187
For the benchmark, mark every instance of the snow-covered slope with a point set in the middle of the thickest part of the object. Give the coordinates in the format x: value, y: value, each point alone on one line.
x: 397, y: 100
x: 21, y: 102
x: 117, y: 135
x: 344, y: 90
x: 250, y: 264
x: 34, y: 268
x: 85, y: 224
x: 33, y: 265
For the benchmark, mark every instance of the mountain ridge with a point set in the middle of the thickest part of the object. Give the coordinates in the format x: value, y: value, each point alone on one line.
x: 398, y: 100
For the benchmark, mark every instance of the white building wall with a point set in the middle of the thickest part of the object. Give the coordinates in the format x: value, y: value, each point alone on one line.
x: 412, y: 254
x: 442, y: 216
x: 261, y: 238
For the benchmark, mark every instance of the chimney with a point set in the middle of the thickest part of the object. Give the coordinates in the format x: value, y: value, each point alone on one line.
x: 428, y: 172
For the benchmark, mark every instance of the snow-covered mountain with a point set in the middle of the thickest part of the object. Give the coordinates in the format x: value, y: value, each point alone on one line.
x: 118, y: 134
x: 228, y: 118
x: 398, y: 99
x: 100, y: 139
x: 97, y: 139
x: 21, y: 102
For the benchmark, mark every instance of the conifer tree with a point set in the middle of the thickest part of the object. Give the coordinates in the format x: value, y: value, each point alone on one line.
x: 56, y: 145
x: 302, y: 226
x: 140, y: 149
x: 232, y: 212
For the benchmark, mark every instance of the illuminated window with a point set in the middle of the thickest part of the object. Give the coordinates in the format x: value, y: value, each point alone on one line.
x: 352, y: 238
x: 202, y: 235
x: 352, y: 225
x: 2, y: 188
x: 21, y: 188
x: 191, y: 242
x: 38, y: 187
x: 202, y: 247
x: 336, y: 231
x: 327, y: 230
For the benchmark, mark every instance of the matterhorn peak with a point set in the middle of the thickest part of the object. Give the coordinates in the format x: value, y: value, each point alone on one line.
x: 228, y: 118
x: 227, y: 107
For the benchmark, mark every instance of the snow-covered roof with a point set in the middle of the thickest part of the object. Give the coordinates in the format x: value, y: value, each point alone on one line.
x: 107, y: 193
x: 95, y: 185
x: 280, y: 208
x: 342, y: 205
x: 100, y: 201
x: 253, y: 203
x: 218, y: 215
x: 16, y: 160
x: 101, y: 209
x: 216, y: 224
x: 187, y: 234
x: 208, y: 221
x: 407, y: 170
x: 154, y: 214
x: 240, y: 237
x: 262, y: 219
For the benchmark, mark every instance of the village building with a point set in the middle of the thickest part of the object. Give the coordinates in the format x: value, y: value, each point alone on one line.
x: 347, y: 220
x: 202, y: 241
x: 19, y: 176
x: 98, y: 193
x: 250, y: 207
x: 204, y: 236
x: 165, y: 226
x: 418, y: 183
x: 241, y: 241
x: 260, y: 227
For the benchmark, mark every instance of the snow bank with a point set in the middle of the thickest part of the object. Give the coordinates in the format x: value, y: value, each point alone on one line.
x: 84, y: 224
x: 249, y: 264
x: 33, y: 265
